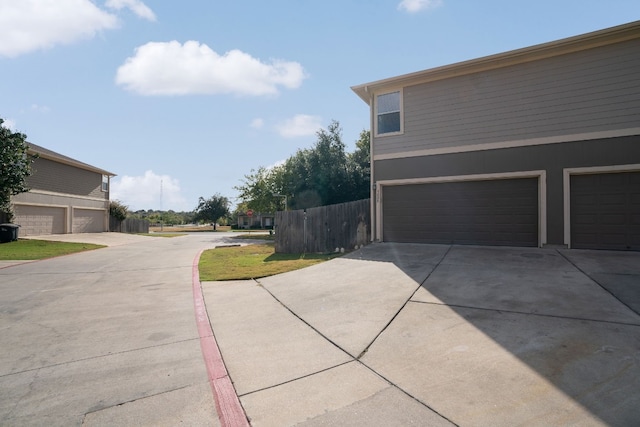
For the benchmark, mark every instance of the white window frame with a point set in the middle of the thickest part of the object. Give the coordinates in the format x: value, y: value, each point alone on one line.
x: 104, y: 186
x: 401, y: 111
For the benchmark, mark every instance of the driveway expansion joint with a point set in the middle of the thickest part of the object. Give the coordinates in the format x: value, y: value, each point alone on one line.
x: 528, y: 313
x: 597, y: 282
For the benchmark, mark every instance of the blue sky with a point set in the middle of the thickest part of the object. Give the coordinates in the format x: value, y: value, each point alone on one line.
x: 190, y: 96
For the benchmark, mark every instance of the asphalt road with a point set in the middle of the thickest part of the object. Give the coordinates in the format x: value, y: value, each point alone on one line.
x: 105, y: 337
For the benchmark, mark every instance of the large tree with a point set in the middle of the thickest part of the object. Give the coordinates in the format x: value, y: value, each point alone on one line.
x: 261, y: 190
x: 322, y: 175
x: 359, y: 166
x: 212, y: 209
x: 16, y: 167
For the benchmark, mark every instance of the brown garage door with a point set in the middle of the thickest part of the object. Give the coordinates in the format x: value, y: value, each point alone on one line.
x: 496, y: 212
x: 605, y: 211
x: 37, y: 220
x: 88, y: 221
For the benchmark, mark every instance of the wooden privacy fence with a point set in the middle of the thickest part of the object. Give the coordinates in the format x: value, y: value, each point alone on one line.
x: 325, y: 229
x: 129, y: 225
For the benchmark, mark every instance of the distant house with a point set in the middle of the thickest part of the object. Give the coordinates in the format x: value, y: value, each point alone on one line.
x: 533, y: 147
x: 66, y: 196
x: 256, y: 220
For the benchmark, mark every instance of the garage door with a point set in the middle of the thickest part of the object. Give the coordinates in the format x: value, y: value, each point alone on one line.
x: 497, y: 212
x: 37, y: 220
x: 88, y: 221
x: 605, y: 211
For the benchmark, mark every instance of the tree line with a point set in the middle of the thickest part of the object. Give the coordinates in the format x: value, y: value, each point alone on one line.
x: 322, y: 175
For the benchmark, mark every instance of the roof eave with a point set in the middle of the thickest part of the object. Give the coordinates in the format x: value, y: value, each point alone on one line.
x: 67, y: 161
x: 586, y: 41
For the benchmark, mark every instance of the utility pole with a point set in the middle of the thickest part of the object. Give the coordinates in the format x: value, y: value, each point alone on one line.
x: 161, y: 223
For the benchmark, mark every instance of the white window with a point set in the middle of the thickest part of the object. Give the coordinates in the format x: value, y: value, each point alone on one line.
x: 388, y: 113
x: 105, y: 183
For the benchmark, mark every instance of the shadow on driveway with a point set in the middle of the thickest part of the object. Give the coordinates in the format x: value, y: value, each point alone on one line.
x: 517, y: 335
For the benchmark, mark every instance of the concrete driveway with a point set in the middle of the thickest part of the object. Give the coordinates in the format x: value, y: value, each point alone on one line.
x: 390, y: 335
x: 401, y: 334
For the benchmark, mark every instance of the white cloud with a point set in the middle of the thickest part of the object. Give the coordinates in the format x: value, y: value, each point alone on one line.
x: 171, y: 68
x: 299, y: 125
x: 40, y: 108
x: 276, y: 164
x: 9, y: 124
x: 413, y: 6
x: 136, y: 6
x: 257, y: 123
x: 144, y: 192
x: 28, y: 25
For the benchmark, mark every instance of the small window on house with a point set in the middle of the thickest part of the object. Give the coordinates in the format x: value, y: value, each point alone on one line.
x: 389, y: 118
x: 105, y: 183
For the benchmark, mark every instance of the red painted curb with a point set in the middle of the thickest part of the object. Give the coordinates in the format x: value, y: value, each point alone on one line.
x: 228, y: 405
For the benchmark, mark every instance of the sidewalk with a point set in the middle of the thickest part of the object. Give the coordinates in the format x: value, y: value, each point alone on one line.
x: 495, y: 336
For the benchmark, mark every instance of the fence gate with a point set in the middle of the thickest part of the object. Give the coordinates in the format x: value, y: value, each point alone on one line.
x: 325, y: 229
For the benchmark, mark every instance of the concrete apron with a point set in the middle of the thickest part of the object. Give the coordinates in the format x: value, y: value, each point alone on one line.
x: 395, y: 334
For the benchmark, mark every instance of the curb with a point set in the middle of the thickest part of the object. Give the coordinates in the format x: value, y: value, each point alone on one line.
x: 228, y: 406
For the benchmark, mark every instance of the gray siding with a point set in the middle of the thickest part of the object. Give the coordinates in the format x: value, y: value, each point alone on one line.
x: 60, y: 178
x: 587, y: 91
x: 551, y: 157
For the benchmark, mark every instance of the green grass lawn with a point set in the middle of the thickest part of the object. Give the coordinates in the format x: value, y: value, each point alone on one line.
x: 23, y: 249
x: 252, y: 262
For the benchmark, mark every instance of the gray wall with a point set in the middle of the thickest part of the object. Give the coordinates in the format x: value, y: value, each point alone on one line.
x: 552, y: 157
x: 60, y: 178
x: 588, y: 91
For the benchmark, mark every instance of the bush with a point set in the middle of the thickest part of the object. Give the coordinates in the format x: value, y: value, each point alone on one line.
x: 118, y: 210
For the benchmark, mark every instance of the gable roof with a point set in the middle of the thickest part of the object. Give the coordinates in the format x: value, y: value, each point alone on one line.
x: 57, y: 157
x: 586, y: 41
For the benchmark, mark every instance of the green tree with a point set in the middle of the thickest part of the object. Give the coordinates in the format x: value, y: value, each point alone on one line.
x: 322, y: 175
x: 212, y: 209
x: 260, y: 188
x: 359, y: 166
x: 16, y: 167
x: 118, y: 210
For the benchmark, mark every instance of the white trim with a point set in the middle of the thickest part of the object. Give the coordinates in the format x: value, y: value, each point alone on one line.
x: 542, y: 193
x: 566, y: 187
x: 511, y: 144
x: 375, y: 113
x: 72, y: 196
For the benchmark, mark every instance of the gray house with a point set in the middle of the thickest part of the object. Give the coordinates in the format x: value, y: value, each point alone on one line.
x: 66, y: 196
x: 533, y: 147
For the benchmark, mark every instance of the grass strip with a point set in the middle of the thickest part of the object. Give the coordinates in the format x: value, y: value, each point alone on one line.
x: 252, y: 262
x: 27, y: 249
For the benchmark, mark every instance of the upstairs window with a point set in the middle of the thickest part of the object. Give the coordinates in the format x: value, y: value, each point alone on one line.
x: 105, y: 183
x: 388, y: 113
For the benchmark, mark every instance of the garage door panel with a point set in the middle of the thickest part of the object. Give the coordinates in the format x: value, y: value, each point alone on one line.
x: 498, y: 212
x: 88, y: 220
x: 40, y: 220
x: 605, y: 211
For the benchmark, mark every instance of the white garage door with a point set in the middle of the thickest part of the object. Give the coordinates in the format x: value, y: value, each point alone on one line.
x: 37, y: 220
x: 88, y: 221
